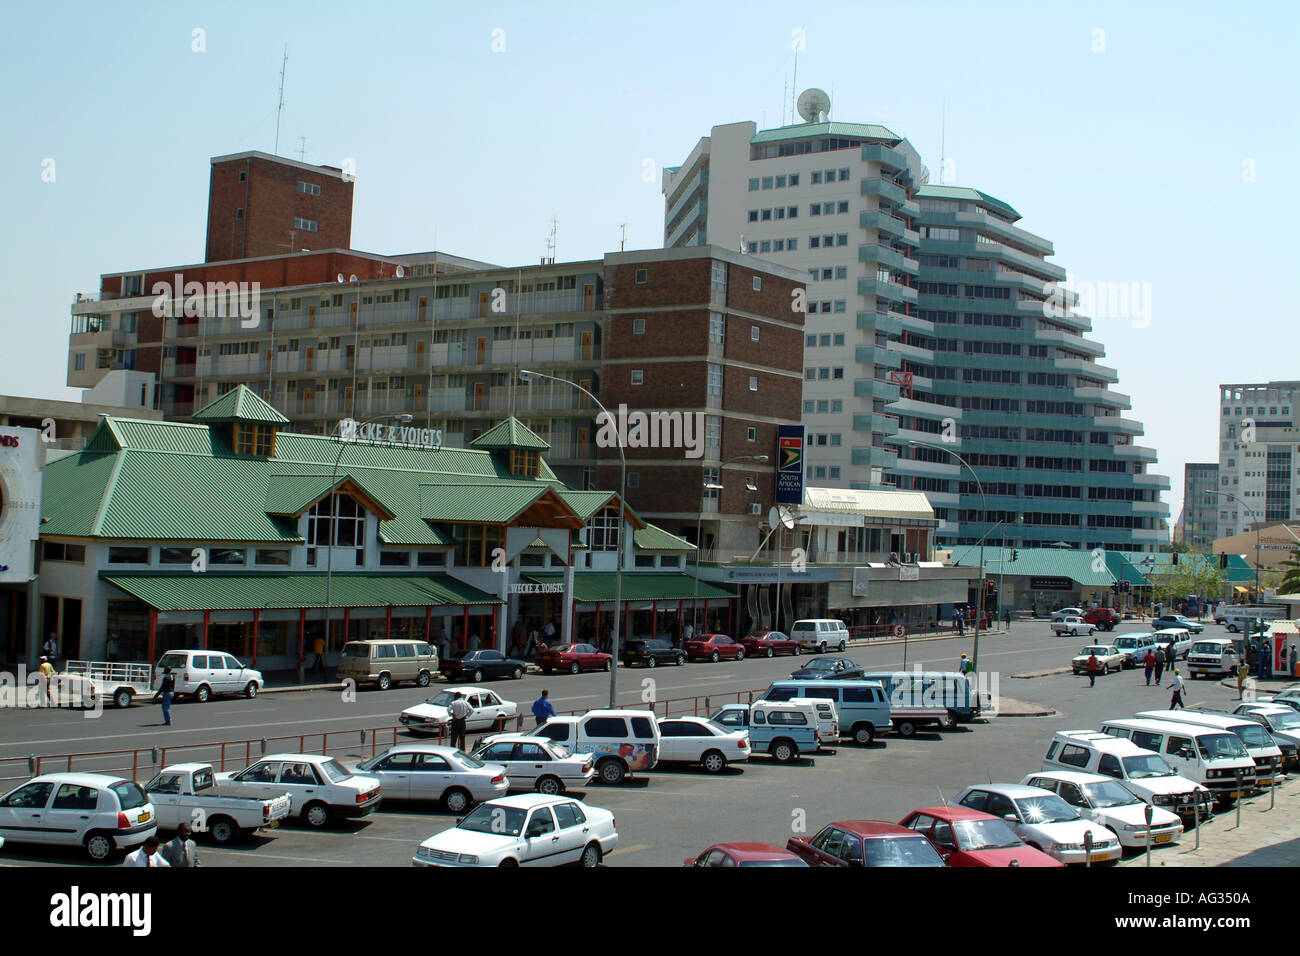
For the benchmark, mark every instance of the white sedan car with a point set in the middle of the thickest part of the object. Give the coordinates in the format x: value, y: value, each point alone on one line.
x: 1072, y: 625
x: 418, y: 771
x: 1065, y: 612
x: 538, y: 763
x: 1104, y: 800
x: 1044, y: 821
x: 434, y: 715
x: 531, y: 829
x: 699, y: 740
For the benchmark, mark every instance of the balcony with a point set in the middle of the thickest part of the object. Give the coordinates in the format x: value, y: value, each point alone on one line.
x: 887, y: 289
x: 883, y: 222
x: 884, y: 189
x: 885, y: 323
x: 879, y: 423
x: 875, y: 388
x: 878, y: 356
x: 689, y: 221
x: 874, y: 456
x: 101, y: 338
x: 885, y: 155
x: 887, y: 257
x: 1091, y: 369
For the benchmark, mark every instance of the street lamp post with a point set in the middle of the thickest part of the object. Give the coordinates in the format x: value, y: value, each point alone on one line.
x: 1251, y: 511
x: 329, y: 550
x: 975, y: 656
x: 699, y: 523
x: 529, y: 376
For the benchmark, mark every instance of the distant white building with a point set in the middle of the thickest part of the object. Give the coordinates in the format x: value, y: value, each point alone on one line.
x: 1259, y: 455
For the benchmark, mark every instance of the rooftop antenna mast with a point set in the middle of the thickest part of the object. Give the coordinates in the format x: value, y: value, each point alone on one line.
x: 622, y: 242
x: 302, y: 148
x: 279, y: 110
x: 552, y: 241
x: 943, y: 139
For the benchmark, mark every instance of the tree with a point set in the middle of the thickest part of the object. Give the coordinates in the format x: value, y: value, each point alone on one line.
x: 1290, y: 568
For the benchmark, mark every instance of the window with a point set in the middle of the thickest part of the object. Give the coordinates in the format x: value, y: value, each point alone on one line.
x: 718, y: 281
x: 810, y: 341
x: 767, y: 215
x: 794, y: 179
x: 753, y: 383
x: 715, y: 379
x: 753, y: 333
x: 814, y: 242
x: 753, y: 185
x: 125, y: 555
x: 758, y: 283
x: 607, y: 727
x: 844, y: 175
x: 751, y: 433
x: 1073, y: 756
x: 642, y: 276
x: 307, y: 225
x: 810, y: 406
x: 339, y: 517
x: 815, y: 209
x: 239, y: 213
x: 842, y: 239
x: 753, y: 215
x: 226, y: 556
x: 602, y: 531
x: 394, y: 559
x: 272, y: 556
x: 58, y: 551
x: 717, y: 328
x: 311, y: 189
x: 638, y: 376
x: 767, y: 182
x: 816, y: 177
x: 792, y: 212
x: 638, y: 326
x: 841, y: 272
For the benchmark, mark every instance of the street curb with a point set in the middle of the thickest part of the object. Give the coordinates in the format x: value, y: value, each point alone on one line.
x: 1052, y: 672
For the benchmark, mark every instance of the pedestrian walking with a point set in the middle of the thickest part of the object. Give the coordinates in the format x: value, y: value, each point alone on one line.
x: 1170, y: 656
x: 1006, y: 617
x: 318, y: 648
x: 460, y: 710
x: 1160, y: 664
x: 51, y: 649
x: 1265, y: 661
x: 543, y: 708
x: 47, y: 675
x: 1176, y: 685
x: 1243, y: 671
x: 958, y: 621
x: 146, y: 855
x: 167, y: 691
x: 181, y: 850
x: 1093, y: 667
x: 1149, y: 663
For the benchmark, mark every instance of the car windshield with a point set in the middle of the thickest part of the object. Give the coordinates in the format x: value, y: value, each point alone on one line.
x: 1147, y: 765
x: 984, y: 835
x: 334, y: 770
x: 1108, y: 794
x: 486, y: 818
x: 562, y: 648
x: 1048, y: 808
x: 441, y: 699
x: 1216, y: 746
x: 1253, y: 735
x: 174, y: 661
x: 901, y: 851
x: 465, y: 760
x: 1288, y: 720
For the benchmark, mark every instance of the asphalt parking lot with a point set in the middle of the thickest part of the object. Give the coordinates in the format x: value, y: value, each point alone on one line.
x: 672, y: 813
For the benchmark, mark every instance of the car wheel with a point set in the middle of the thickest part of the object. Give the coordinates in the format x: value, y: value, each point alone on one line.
x: 574, y: 668
x: 798, y: 651
x: 423, y: 679
x: 821, y: 648
x: 651, y: 662
x: 478, y: 677
x: 549, y: 785
x: 740, y: 654
x: 714, y: 657
x: 222, y: 830
x: 906, y: 728
x: 783, y: 751
x: 316, y: 815
x: 251, y: 690
x: 385, y: 681
x: 611, y: 772
x: 509, y: 862
x: 203, y: 694
x: 841, y: 647
x: 714, y: 761
x: 681, y: 659
x: 949, y: 721
x: 517, y: 673
x: 122, y: 698
x: 769, y: 652
x: 863, y: 734
x: 591, y: 854
x: 99, y: 847
x: 456, y: 800
x: 607, y: 665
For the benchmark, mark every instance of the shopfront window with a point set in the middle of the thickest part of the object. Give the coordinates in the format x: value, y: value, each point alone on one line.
x: 342, y: 515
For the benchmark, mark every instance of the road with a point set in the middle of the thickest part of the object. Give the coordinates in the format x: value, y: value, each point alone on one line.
x: 670, y: 814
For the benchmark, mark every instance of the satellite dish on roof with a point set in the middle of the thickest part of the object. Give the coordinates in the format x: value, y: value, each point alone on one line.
x: 400, y: 272
x: 340, y: 277
x: 813, y: 105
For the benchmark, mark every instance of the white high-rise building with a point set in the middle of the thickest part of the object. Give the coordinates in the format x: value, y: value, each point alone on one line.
x: 1259, y: 455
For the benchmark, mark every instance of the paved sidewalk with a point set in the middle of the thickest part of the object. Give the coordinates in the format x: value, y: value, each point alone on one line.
x: 1265, y: 838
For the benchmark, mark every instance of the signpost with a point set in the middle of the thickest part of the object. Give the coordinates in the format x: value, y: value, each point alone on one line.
x: 789, y: 464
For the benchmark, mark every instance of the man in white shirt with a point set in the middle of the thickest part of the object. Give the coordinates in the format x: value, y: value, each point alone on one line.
x: 688, y: 632
x: 460, y: 711
x: 146, y: 855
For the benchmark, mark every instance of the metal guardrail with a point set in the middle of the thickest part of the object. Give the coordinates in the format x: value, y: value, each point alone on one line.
x: 141, y: 763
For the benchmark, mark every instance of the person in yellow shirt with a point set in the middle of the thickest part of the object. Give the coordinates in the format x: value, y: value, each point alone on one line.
x: 47, y: 672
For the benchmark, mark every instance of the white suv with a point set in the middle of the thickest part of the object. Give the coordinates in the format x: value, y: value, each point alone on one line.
x: 818, y: 634
x: 622, y: 741
x: 201, y: 674
x: 100, y: 812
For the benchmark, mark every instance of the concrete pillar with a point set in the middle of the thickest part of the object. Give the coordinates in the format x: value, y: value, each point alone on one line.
x: 33, y: 622
x: 566, y: 605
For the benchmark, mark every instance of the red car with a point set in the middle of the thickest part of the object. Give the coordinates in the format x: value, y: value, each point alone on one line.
x: 767, y: 643
x: 865, y: 843
x: 1102, y: 618
x: 745, y: 854
x: 713, y: 647
x: 966, y: 837
x: 573, y: 658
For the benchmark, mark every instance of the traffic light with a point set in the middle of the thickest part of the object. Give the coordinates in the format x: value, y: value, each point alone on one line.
x: 1175, y: 562
x: 1223, y: 562
x: 1015, y: 553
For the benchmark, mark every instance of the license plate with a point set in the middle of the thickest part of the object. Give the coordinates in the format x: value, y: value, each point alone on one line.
x: 1164, y: 837
x: 1099, y: 858
x: 144, y: 817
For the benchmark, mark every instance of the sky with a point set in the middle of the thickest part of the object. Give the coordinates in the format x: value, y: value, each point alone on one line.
x: 1147, y: 140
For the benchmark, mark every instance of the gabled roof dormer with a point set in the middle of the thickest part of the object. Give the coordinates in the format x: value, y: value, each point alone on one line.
x: 518, y: 445
x: 245, y: 420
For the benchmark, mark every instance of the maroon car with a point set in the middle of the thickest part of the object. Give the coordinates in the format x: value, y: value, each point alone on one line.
x: 713, y: 647
x: 966, y: 837
x: 573, y: 658
x: 768, y: 643
x: 865, y: 843
x: 745, y: 854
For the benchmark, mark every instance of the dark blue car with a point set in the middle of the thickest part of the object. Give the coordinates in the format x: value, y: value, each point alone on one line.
x: 1176, y: 620
x: 828, y: 668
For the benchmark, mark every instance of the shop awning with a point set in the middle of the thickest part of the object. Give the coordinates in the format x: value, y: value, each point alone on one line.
x: 1240, y: 590
x: 230, y: 591
x: 598, y: 586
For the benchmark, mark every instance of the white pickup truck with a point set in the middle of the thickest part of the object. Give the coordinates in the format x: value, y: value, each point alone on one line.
x: 111, y: 680
x: 189, y: 793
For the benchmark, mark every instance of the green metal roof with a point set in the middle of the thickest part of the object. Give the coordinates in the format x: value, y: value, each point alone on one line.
x: 288, y: 494
x: 240, y: 404
x: 803, y: 130
x: 491, y: 504
x: 511, y: 433
x: 934, y: 191
x: 1239, y: 570
x: 652, y: 538
x: 586, y: 503
x: 592, y: 586
x: 238, y: 591
x: 1079, y: 565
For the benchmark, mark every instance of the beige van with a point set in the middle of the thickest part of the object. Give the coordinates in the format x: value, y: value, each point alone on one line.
x: 388, y: 662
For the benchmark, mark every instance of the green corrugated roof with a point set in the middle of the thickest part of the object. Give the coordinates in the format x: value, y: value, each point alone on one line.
x: 1079, y: 565
x: 511, y: 433
x: 586, y: 503
x: 652, y: 538
x: 492, y: 504
x: 935, y: 191
x: 240, y: 404
x: 1239, y: 570
x: 593, y: 586
x: 288, y: 494
x: 802, y: 130
x: 239, y: 591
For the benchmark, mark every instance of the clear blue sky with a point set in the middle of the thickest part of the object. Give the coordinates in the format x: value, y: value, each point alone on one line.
x: 1130, y: 160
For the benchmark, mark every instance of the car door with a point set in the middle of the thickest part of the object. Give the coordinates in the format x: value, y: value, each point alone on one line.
x: 430, y: 776
x: 484, y: 713
x: 541, y: 839
x: 298, y: 778
x: 532, y: 759
x: 22, y: 813
x: 259, y: 781
x: 395, y: 776
x: 164, y: 793
x: 574, y: 828
x: 491, y: 663
x: 670, y: 736
x: 1002, y: 807
x: 826, y: 847
x: 71, y: 813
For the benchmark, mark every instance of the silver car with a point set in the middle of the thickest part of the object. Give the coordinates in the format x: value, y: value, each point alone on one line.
x: 416, y: 771
x: 538, y: 763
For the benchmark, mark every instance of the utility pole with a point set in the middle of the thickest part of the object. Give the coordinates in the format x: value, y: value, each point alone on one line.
x: 279, y: 110
x: 623, y: 240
